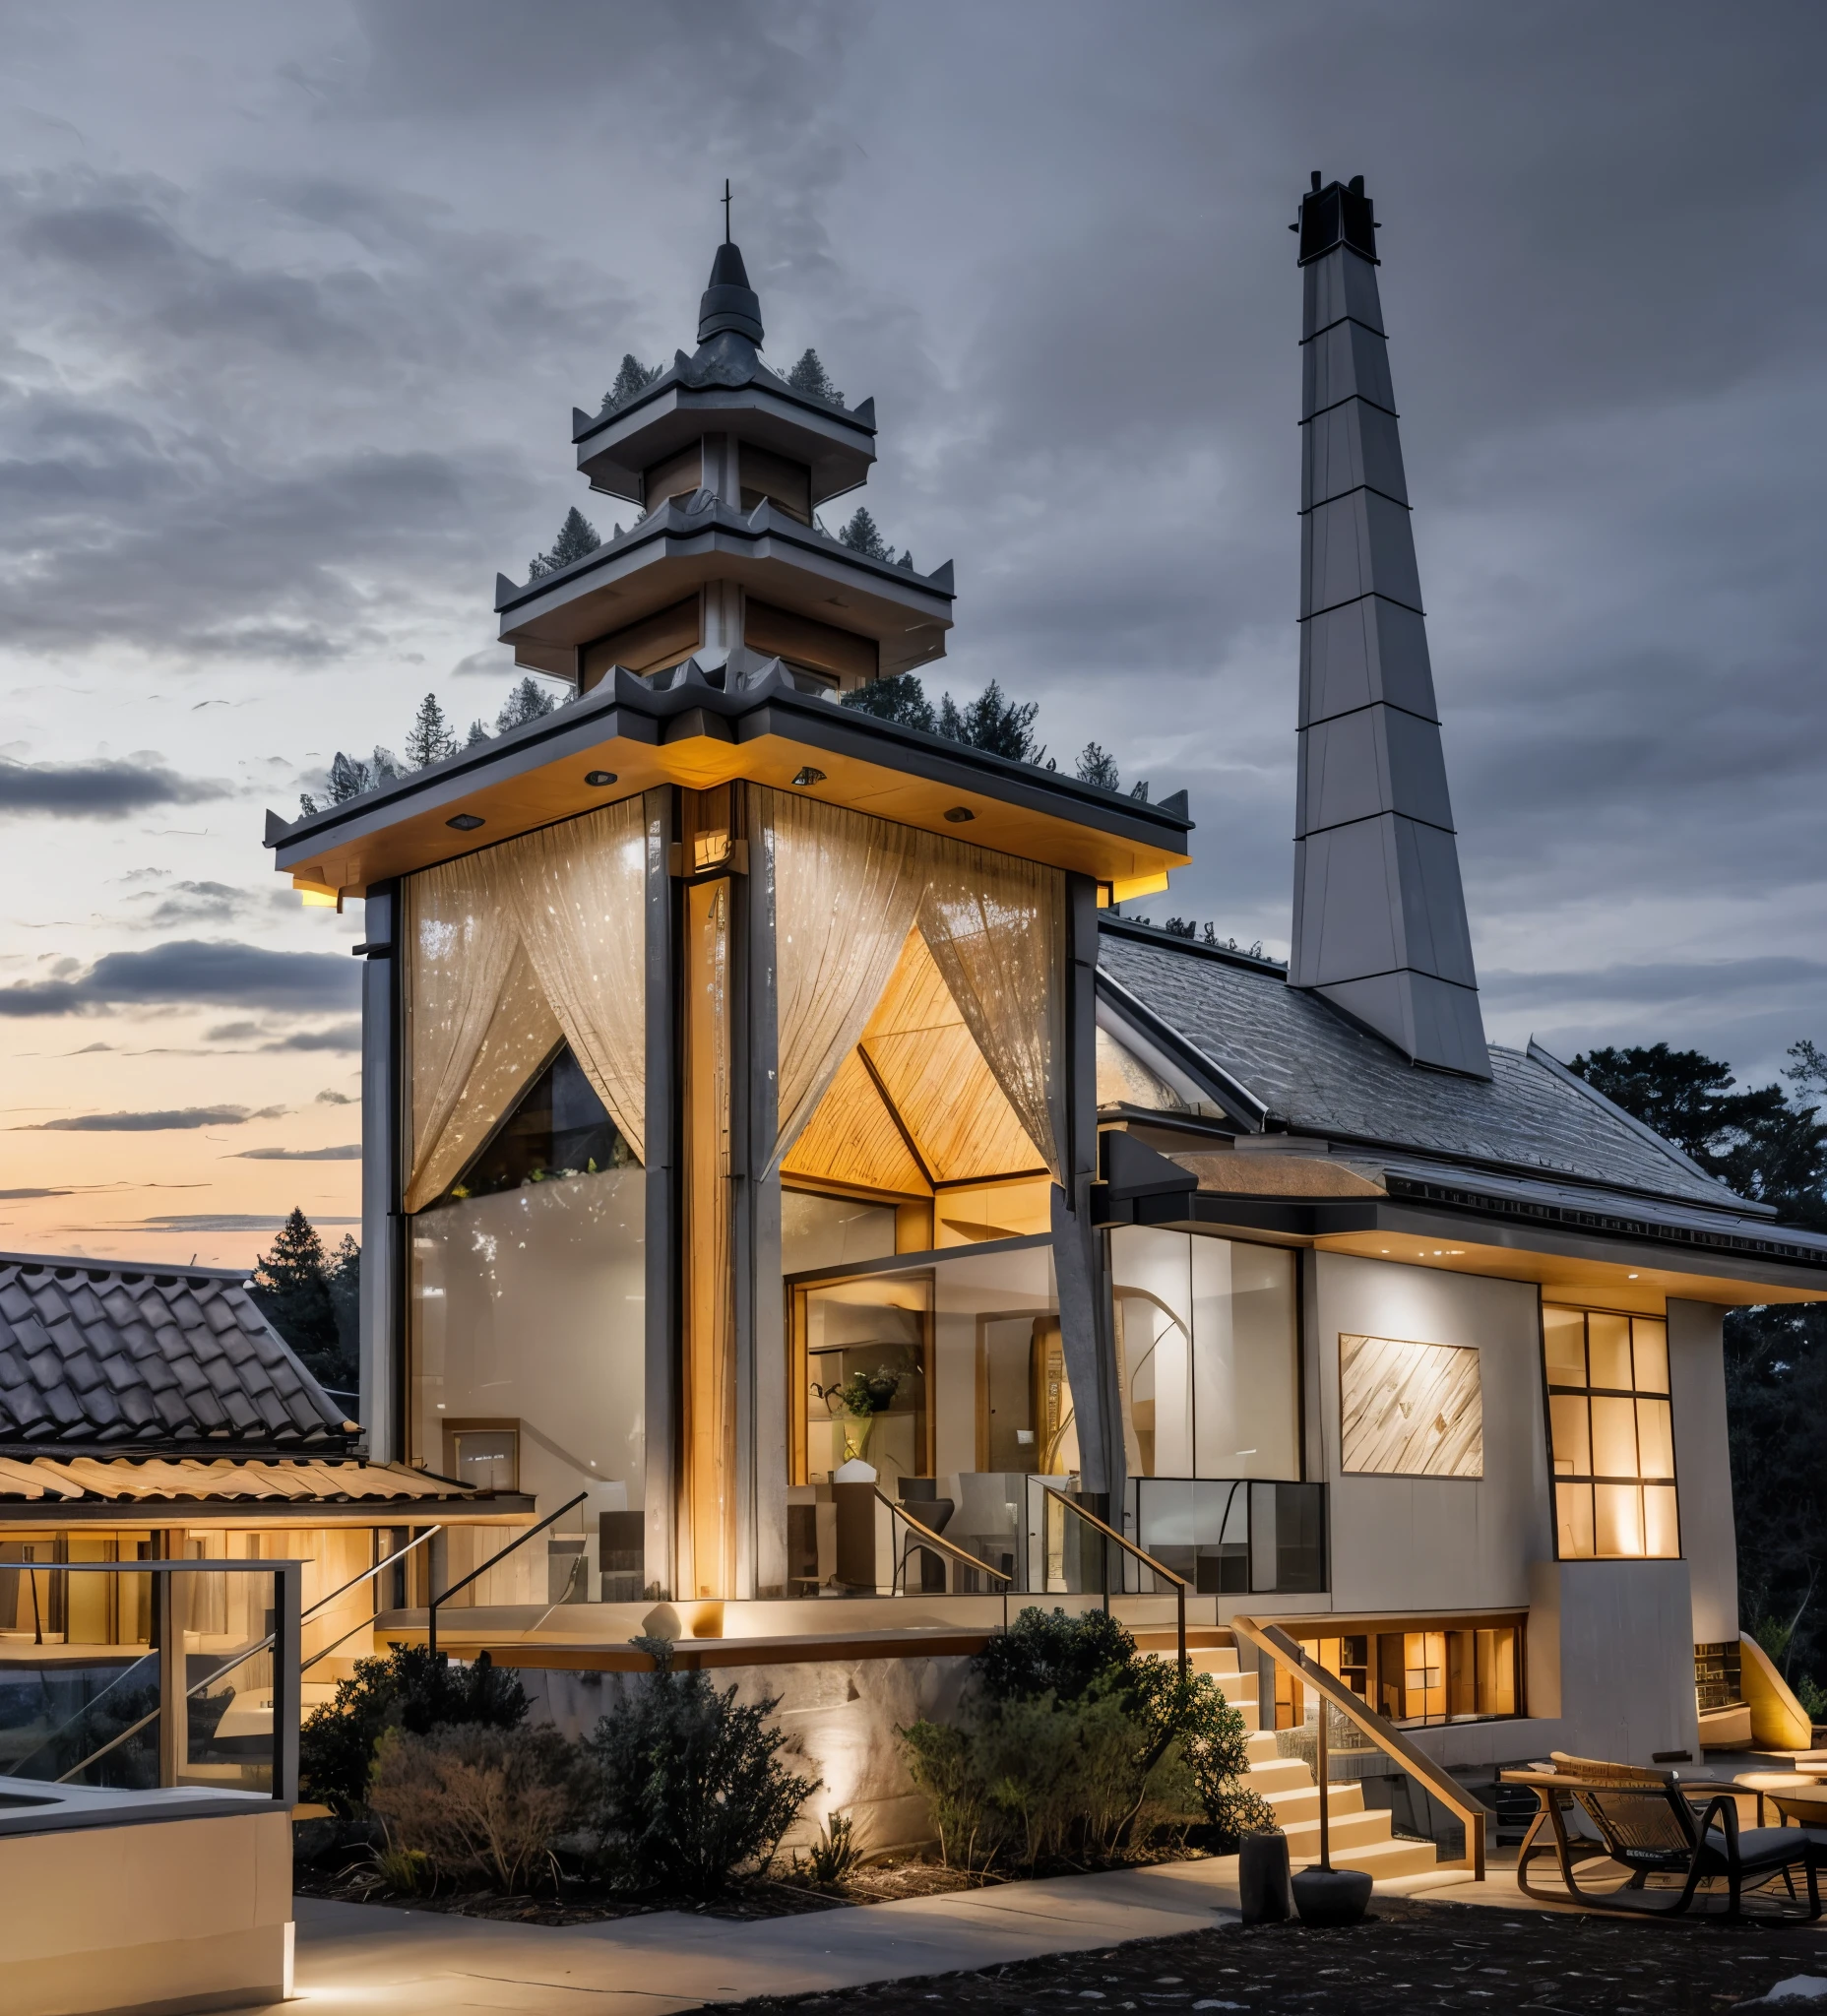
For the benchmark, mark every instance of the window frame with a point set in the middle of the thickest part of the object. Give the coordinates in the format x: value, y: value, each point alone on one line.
x: 1592, y: 1480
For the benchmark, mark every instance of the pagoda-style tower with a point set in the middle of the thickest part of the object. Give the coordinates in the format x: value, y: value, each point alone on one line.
x: 1379, y: 910
x: 729, y: 463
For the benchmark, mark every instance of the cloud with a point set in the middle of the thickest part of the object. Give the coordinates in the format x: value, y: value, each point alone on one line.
x: 331, y: 1097
x: 9, y: 1196
x: 221, y: 1222
x: 172, y: 1119
x: 195, y: 971
x: 349, y: 1152
x: 340, y: 1036
x: 97, y: 790
x: 192, y: 902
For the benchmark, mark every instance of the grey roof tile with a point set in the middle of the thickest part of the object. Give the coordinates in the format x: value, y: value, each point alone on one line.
x: 1323, y: 1075
x: 92, y: 1355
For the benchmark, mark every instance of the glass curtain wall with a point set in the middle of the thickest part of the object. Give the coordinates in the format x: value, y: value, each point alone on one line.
x: 524, y: 999
x: 1209, y: 1353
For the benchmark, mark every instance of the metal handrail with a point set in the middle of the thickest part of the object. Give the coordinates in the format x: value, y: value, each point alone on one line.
x: 1275, y: 1643
x: 938, y: 1542
x: 1148, y: 1561
x: 475, y: 1574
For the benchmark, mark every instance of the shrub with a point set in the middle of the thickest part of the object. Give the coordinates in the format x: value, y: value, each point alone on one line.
x: 690, y: 1786
x: 476, y: 1798
x: 832, y: 1856
x: 405, y: 1688
x: 1071, y: 1747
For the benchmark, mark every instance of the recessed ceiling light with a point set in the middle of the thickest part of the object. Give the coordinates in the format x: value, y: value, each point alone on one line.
x: 598, y: 778
x: 1630, y: 1277
x: 959, y: 814
x: 465, y: 822
x: 806, y: 774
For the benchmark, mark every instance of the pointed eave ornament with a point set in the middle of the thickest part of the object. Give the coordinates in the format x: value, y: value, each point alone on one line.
x: 730, y: 303
x: 1380, y: 926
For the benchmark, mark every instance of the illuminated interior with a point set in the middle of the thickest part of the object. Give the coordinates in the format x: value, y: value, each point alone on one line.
x: 1610, y: 1435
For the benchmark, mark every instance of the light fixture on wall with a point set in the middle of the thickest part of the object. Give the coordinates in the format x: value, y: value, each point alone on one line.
x: 466, y: 822
x: 599, y: 780
x: 959, y: 814
x: 806, y: 774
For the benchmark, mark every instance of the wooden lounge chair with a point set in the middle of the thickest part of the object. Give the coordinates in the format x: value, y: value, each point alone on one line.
x: 1649, y: 1823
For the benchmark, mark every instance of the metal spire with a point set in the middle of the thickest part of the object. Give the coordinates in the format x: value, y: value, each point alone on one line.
x: 1379, y: 909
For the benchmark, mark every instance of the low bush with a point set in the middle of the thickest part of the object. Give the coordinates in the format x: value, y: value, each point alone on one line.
x: 832, y: 1856
x: 479, y: 1800
x: 405, y: 1689
x: 689, y: 1785
x: 1072, y: 1747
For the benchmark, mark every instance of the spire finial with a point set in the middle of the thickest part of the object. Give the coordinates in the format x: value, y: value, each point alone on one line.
x: 726, y: 209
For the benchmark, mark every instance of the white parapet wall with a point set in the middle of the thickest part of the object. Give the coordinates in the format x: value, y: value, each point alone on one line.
x: 138, y: 1912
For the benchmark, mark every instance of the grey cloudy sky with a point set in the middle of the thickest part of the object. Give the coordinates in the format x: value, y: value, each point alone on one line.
x: 297, y: 302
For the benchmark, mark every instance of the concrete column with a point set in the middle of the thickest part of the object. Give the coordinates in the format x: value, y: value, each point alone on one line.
x: 382, y: 1375
x: 1703, y: 1465
x: 662, y: 1340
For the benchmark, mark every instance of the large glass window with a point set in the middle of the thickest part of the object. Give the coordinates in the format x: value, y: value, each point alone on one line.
x: 1610, y: 1435
x: 1209, y: 1351
x: 1415, y: 1679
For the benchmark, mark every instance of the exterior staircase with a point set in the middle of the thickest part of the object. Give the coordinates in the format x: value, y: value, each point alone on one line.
x: 1361, y: 1835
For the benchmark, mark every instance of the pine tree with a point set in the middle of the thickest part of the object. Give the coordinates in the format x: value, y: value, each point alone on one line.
x: 861, y: 537
x: 479, y: 732
x: 342, y: 1277
x: 430, y: 738
x: 1095, y: 765
x: 634, y: 377
x: 1001, y: 725
x: 527, y: 702
x: 576, y: 538
x: 809, y: 376
x: 291, y: 1288
x: 1140, y: 790
x: 901, y: 698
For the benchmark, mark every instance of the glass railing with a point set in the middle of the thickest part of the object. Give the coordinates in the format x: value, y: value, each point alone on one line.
x: 195, y: 1684
x: 1232, y: 1536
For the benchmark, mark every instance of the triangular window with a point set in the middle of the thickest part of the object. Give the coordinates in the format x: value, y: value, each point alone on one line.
x: 557, y: 1128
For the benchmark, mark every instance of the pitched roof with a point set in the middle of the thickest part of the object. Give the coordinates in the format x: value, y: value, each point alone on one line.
x: 137, y: 1481
x: 99, y: 1356
x: 1317, y: 1073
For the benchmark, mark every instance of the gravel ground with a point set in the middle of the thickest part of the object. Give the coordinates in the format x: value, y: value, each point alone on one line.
x: 1406, y: 1956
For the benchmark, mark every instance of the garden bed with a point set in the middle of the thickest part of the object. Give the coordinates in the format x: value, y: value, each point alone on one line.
x: 880, y: 1882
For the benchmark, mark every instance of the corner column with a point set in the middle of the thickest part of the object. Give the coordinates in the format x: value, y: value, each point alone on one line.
x: 660, y: 1499
x: 381, y: 1309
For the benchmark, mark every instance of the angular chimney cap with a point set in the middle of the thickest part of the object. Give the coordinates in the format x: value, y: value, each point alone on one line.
x: 730, y: 302
x: 1340, y: 213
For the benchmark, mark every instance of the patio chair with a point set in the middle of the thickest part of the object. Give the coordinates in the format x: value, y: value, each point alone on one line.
x: 1648, y: 1822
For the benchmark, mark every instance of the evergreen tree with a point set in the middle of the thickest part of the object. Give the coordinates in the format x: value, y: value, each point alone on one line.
x: 861, y: 537
x: 291, y: 1288
x: 527, y: 702
x: 809, y: 376
x: 430, y: 738
x: 342, y: 1277
x: 1001, y: 725
x: 902, y: 698
x: 632, y: 378
x: 576, y: 538
x: 1095, y: 765
x: 479, y: 732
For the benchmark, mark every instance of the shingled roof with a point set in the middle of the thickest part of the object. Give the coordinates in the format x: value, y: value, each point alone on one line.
x: 1319, y: 1074
x: 120, y: 1360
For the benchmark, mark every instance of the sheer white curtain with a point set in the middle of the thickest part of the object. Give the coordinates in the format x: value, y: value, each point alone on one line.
x: 580, y: 901
x: 509, y: 952
x: 846, y: 889
x: 997, y: 928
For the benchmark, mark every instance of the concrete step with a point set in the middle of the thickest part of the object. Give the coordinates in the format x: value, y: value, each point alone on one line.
x: 1261, y: 1746
x: 1217, y: 1659
x: 1382, y: 1860
x: 1278, y: 1773
x: 1302, y: 1802
x: 1347, y: 1830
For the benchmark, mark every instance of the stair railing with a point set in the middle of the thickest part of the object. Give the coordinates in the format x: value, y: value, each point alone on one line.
x: 920, y: 1535
x: 1276, y: 1645
x: 1110, y: 1533
x: 438, y: 1602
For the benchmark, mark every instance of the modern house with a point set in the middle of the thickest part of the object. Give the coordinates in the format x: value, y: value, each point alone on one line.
x: 756, y: 1089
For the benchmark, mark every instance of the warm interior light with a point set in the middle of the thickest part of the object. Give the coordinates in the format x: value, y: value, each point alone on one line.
x: 1630, y: 1277
x: 710, y: 849
x: 321, y: 899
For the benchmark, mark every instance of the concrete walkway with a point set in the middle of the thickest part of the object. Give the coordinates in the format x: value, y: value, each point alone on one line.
x: 375, y: 1960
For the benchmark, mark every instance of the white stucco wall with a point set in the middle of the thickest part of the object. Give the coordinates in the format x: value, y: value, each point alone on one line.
x: 1426, y: 1544
x: 1703, y: 1465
